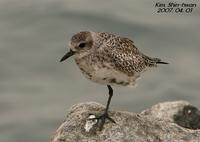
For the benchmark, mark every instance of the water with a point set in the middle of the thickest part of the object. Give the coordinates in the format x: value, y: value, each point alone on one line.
x: 36, y: 90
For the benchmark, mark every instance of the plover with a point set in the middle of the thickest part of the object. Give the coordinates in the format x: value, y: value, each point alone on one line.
x: 108, y: 59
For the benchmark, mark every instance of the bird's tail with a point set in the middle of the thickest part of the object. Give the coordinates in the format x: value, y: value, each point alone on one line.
x: 160, y: 62
x: 152, y: 62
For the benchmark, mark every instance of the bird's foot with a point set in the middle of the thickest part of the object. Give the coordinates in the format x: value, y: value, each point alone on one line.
x: 102, y: 119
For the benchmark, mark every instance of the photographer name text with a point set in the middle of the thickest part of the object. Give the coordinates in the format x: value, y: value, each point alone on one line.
x: 173, y: 7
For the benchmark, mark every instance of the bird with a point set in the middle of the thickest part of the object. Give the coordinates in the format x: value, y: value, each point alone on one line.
x: 108, y: 59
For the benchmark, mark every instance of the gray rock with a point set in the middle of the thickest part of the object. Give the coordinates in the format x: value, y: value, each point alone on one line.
x: 165, y: 122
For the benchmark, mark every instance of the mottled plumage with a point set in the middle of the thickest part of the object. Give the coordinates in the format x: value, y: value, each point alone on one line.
x: 108, y: 59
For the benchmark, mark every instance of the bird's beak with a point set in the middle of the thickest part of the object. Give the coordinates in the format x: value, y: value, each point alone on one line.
x: 67, y: 55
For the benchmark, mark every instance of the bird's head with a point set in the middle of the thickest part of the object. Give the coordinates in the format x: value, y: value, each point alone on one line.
x: 80, y: 44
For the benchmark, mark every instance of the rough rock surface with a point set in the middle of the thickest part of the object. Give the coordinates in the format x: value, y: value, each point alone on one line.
x: 165, y: 122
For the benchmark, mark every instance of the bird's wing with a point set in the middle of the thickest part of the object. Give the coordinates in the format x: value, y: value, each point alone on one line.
x: 124, y: 55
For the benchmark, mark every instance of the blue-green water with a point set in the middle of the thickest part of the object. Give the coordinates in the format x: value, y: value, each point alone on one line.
x: 36, y: 90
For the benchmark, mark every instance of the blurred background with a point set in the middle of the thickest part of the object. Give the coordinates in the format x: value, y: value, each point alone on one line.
x: 36, y: 90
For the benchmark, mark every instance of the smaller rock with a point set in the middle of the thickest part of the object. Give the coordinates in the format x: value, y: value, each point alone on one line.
x: 90, y: 122
x: 165, y: 111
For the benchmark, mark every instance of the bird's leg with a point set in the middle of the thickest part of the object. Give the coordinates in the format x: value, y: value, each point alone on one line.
x: 108, y: 102
x: 102, y: 118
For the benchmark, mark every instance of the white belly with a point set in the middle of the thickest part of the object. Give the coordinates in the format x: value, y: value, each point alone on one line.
x: 109, y: 76
x: 113, y: 77
x: 106, y: 74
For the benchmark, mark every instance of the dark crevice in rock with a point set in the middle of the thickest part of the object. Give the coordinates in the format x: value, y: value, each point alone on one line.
x: 188, y: 117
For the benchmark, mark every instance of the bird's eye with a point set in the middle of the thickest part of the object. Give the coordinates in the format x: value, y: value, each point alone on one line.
x: 82, y: 45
